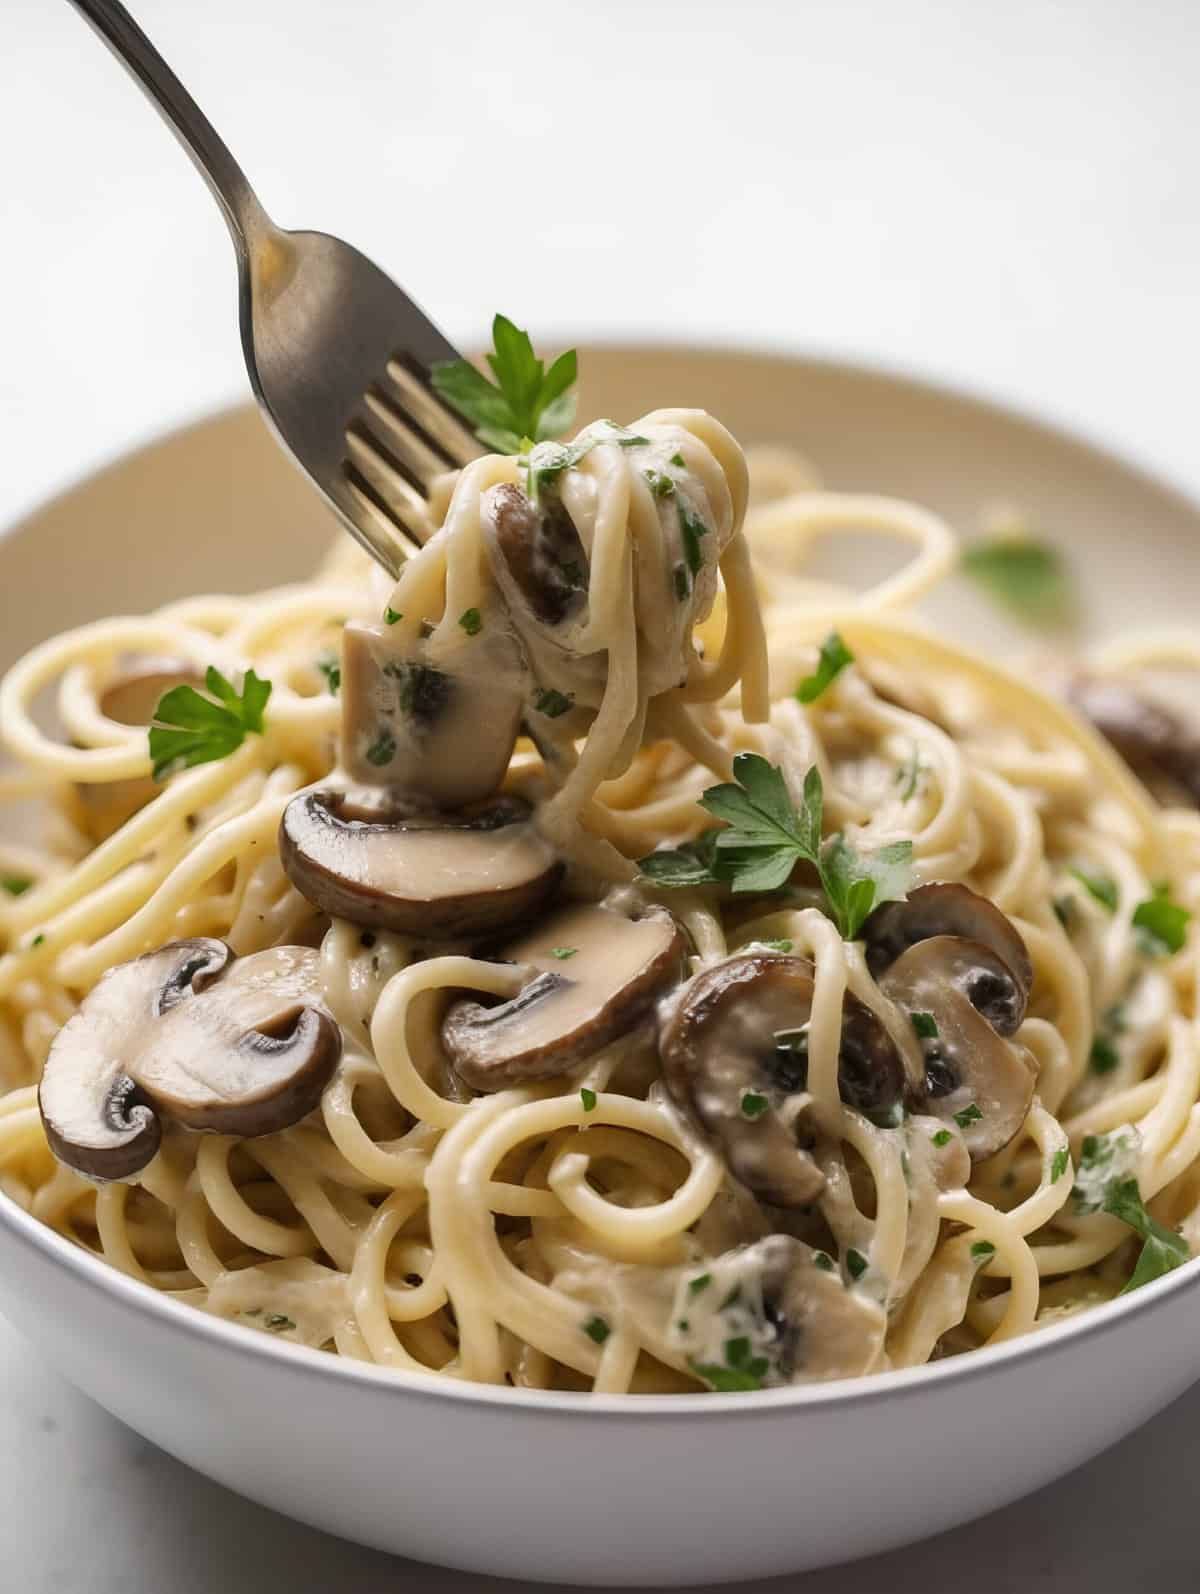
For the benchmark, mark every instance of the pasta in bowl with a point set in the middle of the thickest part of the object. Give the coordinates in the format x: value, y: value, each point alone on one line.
x: 659, y: 1131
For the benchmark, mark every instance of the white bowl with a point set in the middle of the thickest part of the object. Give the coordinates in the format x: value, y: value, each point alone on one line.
x: 604, y: 1489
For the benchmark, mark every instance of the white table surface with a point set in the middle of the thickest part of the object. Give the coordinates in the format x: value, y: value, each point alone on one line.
x: 1007, y: 196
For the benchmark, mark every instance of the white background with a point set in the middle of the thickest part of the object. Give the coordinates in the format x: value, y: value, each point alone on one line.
x: 1007, y: 196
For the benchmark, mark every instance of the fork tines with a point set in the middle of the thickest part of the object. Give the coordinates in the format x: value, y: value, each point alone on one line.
x: 401, y: 439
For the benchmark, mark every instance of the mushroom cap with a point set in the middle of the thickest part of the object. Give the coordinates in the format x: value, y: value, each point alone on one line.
x: 826, y: 1328
x: 443, y: 736
x: 969, y: 1063
x: 438, y: 876
x: 1154, y: 741
x: 190, y: 1033
x: 945, y: 908
x: 571, y: 1005
x: 536, y: 554
x: 740, y: 1029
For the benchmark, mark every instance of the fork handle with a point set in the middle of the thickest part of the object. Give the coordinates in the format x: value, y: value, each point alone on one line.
x: 247, y: 220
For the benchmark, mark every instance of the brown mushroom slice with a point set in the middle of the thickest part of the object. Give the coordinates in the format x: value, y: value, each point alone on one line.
x: 1157, y: 744
x: 191, y: 1034
x: 593, y: 974
x: 944, y: 908
x: 131, y: 699
x: 973, y: 1075
x: 438, y: 876
x: 445, y: 738
x: 536, y: 553
x: 734, y: 1051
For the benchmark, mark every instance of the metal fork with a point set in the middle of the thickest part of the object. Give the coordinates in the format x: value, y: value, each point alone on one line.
x: 338, y: 356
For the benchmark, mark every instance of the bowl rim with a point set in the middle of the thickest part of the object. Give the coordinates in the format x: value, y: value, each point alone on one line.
x: 72, y: 1259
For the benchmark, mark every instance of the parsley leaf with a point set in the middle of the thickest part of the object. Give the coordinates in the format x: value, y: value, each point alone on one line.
x: 551, y: 702
x: 471, y: 621
x: 700, y: 1282
x: 563, y: 952
x: 767, y: 836
x: 740, y: 1372
x: 982, y: 1249
x: 1058, y: 1164
x: 16, y: 884
x: 1104, y: 1056
x: 332, y: 671
x: 780, y: 944
x: 391, y: 616
x: 588, y: 1098
x: 679, y: 867
x: 524, y: 401
x: 925, y: 1025
x: 191, y: 729
x: 1163, y: 923
x: 969, y: 1115
x: 597, y: 1330
x: 1026, y: 576
x: 943, y: 1137
x: 833, y: 659
x: 1101, y: 886
x: 753, y: 1104
x: 691, y: 529
x: 1106, y: 1183
x: 856, y: 1264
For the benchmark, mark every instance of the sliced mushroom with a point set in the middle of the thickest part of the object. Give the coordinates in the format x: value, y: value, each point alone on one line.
x: 438, y: 876
x: 192, y: 1034
x: 593, y: 974
x: 131, y: 699
x: 948, y: 909
x: 536, y: 550
x: 734, y: 1050
x: 973, y: 1075
x: 1158, y: 745
x: 443, y: 737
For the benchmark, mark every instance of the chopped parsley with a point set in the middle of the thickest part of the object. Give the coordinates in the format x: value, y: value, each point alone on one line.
x: 1064, y: 910
x: 1162, y: 924
x: 741, y: 1370
x: 691, y: 529
x: 332, y: 671
x: 1058, y: 1164
x: 16, y: 884
x: 982, y: 1249
x: 1101, y: 886
x: 552, y: 703
x: 659, y: 484
x: 856, y: 1264
x: 766, y: 836
x: 969, y: 1115
x: 39, y: 939
x: 562, y: 953
x: 382, y: 750
x: 1028, y: 577
x: 823, y: 1260
x: 780, y: 945
x: 192, y: 729
x: 678, y: 459
x: 390, y: 615
x: 753, y: 1104
x: 1107, y: 1184
x: 699, y: 1283
x: 471, y: 621
x: 588, y: 1098
x: 524, y: 401
x: 597, y: 1329
x: 925, y: 1025
x: 942, y: 1137
x: 910, y: 774
x: 682, y: 586
x: 1104, y: 1055
x: 832, y: 660
x: 277, y: 1322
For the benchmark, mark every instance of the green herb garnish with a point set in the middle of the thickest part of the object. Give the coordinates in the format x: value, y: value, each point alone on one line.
x: 39, y: 939
x: 741, y: 1371
x: 597, y: 1329
x: 823, y: 1260
x: 659, y: 484
x: 588, y: 1098
x: 1162, y: 923
x: 767, y: 836
x: 1104, y: 1056
x: 982, y: 1249
x: 700, y: 1282
x: 682, y: 583
x: 925, y: 1025
x: 552, y: 703
x: 680, y: 867
x: 1101, y: 886
x: 191, y: 729
x: 1027, y: 577
x: 753, y: 1104
x: 832, y: 660
x: 910, y: 773
x: 1058, y: 1164
x: 678, y: 459
x: 382, y: 750
x: 390, y: 615
x: 332, y: 671
x: 563, y: 952
x: 16, y: 884
x: 942, y: 1137
x: 471, y: 621
x: 525, y: 400
x: 856, y: 1264
x: 969, y: 1115
x: 691, y: 529
x: 781, y: 945
x: 1116, y: 1192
